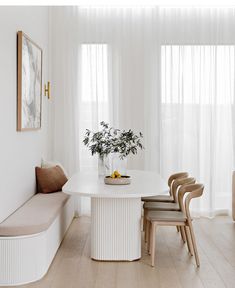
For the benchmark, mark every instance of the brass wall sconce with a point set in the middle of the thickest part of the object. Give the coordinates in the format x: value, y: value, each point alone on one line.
x: 47, y: 90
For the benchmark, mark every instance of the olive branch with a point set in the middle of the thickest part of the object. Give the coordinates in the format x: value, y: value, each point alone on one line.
x: 111, y: 140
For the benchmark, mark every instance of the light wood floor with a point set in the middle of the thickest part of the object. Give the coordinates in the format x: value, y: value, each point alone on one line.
x: 72, y: 266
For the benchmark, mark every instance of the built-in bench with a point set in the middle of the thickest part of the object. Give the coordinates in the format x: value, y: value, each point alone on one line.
x: 30, y: 237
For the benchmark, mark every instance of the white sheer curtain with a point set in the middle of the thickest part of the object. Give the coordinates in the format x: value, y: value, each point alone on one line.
x: 197, y: 100
x: 197, y: 125
x: 125, y: 37
x: 94, y: 101
x: 94, y: 104
x: 132, y: 52
x: 161, y: 74
x: 65, y: 90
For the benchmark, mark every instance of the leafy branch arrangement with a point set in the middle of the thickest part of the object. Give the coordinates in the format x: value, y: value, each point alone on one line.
x: 112, y: 140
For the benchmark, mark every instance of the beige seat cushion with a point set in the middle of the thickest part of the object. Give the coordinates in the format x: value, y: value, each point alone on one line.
x: 166, y: 216
x: 35, y: 216
x: 161, y: 206
x: 158, y: 198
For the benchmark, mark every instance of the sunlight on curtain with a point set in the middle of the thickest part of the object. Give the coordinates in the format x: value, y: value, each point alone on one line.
x: 196, y: 133
x: 94, y: 103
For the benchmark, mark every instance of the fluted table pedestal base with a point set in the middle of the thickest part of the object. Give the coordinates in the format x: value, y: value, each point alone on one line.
x: 116, y: 229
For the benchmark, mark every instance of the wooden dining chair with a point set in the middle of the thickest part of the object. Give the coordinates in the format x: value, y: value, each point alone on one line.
x: 175, y: 218
x: 166, y: 198
x: 167, y: 206
x: 170, y: 206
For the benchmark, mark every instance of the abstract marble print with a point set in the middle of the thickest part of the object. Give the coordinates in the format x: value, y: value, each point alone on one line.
x: 31, y: 82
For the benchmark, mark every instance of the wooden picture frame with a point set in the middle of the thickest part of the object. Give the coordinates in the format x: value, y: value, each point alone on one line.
x: 29, y: 83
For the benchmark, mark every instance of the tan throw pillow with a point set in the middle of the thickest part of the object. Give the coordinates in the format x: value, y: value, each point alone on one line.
x: 49, y: 164
x: 50, y: 180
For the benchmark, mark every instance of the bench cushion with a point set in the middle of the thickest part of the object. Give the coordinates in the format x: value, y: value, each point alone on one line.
x: 35, y: 216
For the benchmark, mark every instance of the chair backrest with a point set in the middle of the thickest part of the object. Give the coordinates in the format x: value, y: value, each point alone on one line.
x: 178, y: 183
x: 194, y: 191
x: 175, y: 176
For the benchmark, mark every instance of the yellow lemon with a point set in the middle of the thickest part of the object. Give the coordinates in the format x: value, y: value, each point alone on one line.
x: 116, y: 173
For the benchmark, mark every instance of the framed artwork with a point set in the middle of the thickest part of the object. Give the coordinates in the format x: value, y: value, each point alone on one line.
x: 29, y: 84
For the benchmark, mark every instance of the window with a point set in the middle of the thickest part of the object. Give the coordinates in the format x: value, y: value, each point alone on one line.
x: 197, y: 96
x: 197, y: 74
x: 94, y: 100
x: 94, y: 73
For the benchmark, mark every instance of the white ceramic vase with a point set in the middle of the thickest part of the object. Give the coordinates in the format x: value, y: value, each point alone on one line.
x: 108, y: 164
x: 116, y: 163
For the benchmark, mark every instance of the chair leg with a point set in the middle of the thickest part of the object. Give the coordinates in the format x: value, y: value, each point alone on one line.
x: 152, y: 246
x: 149, y: 237
x: 190, y: 249
x: 194, y: 244
x: 182, y: 232
x: 144, y: 220
x: 145, y: 232
x: 178, y: 229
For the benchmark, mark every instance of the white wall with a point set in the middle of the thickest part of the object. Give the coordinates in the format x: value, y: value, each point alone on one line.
x: 20, y: 152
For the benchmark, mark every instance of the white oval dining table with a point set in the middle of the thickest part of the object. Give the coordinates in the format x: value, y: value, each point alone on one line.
x: 116, y: 211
